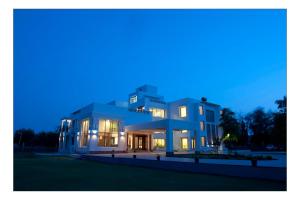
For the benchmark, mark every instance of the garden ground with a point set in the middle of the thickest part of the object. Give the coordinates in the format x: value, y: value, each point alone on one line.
x: 43, y: 173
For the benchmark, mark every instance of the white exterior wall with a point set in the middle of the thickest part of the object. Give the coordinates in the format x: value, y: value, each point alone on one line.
x: 118, y: 111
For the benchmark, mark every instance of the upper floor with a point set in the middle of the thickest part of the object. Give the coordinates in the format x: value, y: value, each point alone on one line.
x: 146, y: 99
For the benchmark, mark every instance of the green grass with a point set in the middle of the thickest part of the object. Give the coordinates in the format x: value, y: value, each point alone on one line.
x: 33, y: 173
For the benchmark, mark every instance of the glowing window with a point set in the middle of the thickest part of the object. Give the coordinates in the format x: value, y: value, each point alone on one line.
x: 84, y: 132
x: 184, y: 131
x: 159, y: 143
x: 202, y: 127
x: 193, y: 143
x: 184, y: 143
x: 108, y: 133
x: 201, y: 112
x: 182, y: 111
x: 203, y: 141
x: 133, y: 99
x: 157, y: 112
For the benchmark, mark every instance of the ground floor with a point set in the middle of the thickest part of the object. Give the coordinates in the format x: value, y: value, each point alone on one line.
x: 70, y: 174
x: 167, y: 136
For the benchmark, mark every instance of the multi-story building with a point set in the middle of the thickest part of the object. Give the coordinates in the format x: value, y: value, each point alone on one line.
x: 145, y: 123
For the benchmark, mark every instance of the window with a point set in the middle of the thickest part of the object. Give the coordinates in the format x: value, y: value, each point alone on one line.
x: 210, y: 116
x: 108, y: 133
x: 159, y: 143
x: 84, y: 132
x: 221, y: 112
x: 203, y: 141
x: 184, y: 131
x: 184, y: 143
x: 193, y: 143
x: 157, y: 112
x: 201, y: 111
x: 202, y: 126
x: 133, y: 99
x: 182, y: 111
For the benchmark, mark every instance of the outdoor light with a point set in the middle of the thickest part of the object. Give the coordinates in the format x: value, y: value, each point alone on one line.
x: 94, y: 137
x: 122, y: 133
x: 78, y: 133
x: 94, y: 132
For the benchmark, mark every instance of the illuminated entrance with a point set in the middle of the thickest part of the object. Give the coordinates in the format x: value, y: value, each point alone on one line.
x: 139, y: 142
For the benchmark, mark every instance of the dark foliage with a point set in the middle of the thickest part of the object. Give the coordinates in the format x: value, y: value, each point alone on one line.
x: 27, y: 137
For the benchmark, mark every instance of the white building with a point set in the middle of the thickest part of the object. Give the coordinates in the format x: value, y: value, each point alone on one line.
x: 145, y: 123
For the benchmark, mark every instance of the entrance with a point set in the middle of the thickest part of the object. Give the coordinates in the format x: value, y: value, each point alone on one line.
x: 140, y: 142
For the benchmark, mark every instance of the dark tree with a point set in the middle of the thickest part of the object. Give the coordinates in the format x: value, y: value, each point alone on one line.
x: 230, y: 126
x: 243, y: 136
x: 24, y: 137
x: 260, y: 124
x: 279, y: 131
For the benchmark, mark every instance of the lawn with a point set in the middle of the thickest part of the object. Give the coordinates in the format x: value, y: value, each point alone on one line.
x: 41, y: 173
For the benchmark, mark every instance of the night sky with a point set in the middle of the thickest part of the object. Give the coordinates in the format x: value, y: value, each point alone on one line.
x: 66, y: 59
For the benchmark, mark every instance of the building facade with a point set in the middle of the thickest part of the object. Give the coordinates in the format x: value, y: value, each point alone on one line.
x: 144, y: 123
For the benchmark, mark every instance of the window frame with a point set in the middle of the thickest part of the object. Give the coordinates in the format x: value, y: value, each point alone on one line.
x: 181, y: 143
x: 84, y: 136
x: 133, y: 99
x: 180, y: 112
x: 105, y: 135
x: 201, y: 110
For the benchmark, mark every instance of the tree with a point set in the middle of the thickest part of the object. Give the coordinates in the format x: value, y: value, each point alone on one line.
x: 243, y: 135
x: 279, y: 131
x: 260, y: 124
x: 281, y: 104
x: 24, y: 136
x: 230, y: 127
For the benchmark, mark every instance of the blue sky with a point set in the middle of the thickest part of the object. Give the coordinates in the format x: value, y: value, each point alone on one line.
x: 65, y: 59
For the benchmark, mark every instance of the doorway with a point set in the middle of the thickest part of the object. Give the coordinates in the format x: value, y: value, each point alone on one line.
x: 140, y: 142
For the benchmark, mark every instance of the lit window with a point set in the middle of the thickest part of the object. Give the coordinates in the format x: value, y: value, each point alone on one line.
x: 193, y: 143
x: 84, y: 132
x: 184, y: 143
x: 133, y: 99
x: 159, y: 143
x: 184, y: 131
x: 221, y: 112
x: 157, y: 112
x: 201, y: 112
x: 203, y: 141
x: 108, y: 133
x: 182, y: 111
x: 202, y: 127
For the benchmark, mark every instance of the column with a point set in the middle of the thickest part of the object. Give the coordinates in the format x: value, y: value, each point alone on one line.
x: 197, y: 141
x: 169, y: 141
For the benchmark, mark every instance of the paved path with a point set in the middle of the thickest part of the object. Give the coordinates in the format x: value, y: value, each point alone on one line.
x: 280, y: 162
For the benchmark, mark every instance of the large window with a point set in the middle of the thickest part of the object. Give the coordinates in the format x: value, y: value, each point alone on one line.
x: 133, y: 99
x: 201, y: 111
x: 84, y: 132
x: 182, y: 111
x: 210, y: 116
x: 159, y: 143
x: 184, y: 143
x: 202, y: 127
x: 108, y: 133
x: 157, y: 112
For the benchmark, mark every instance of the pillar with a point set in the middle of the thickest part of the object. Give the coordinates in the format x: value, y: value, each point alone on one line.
x: 197, y: 141
x: 169, y: 141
